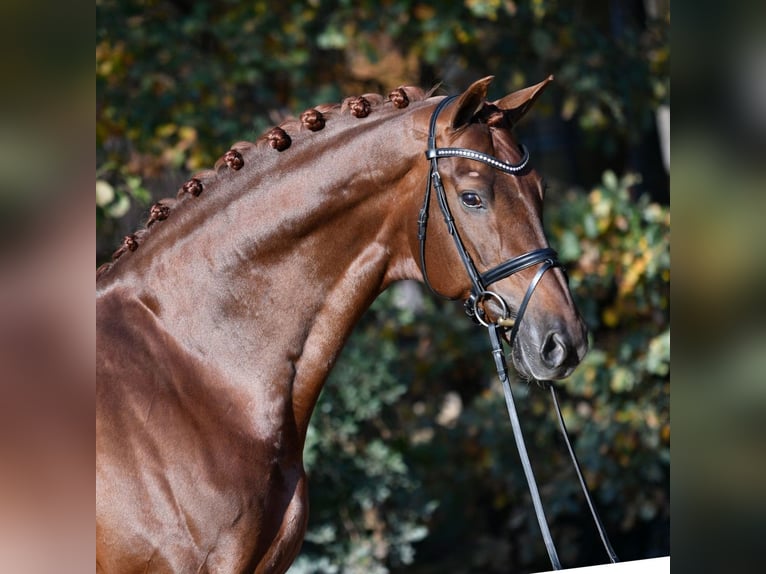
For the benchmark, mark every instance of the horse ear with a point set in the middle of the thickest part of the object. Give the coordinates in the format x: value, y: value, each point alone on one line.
x: 470, y: 102
x: 517, y: 104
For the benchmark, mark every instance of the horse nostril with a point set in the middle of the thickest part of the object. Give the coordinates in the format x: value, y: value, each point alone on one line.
x: 554, y: 351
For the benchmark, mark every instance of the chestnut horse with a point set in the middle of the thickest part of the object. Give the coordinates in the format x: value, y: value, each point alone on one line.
x: 220, y: 321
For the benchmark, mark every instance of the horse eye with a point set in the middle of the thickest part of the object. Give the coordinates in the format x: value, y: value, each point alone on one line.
x: 471, y: 199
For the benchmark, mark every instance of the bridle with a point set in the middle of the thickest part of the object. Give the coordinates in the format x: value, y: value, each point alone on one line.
x: 479, y: 281
x: 547, y: 258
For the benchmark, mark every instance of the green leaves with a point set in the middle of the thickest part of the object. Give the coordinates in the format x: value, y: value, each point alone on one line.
x: 113, y: 201
x: 658, y: 357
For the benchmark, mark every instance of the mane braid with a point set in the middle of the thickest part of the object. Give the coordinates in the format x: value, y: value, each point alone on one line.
x: 279, y: 139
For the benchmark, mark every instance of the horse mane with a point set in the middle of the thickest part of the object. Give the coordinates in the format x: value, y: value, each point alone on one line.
x: 278, y: 138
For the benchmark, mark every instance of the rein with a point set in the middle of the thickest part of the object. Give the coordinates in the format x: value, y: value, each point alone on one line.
x: 548, y: 259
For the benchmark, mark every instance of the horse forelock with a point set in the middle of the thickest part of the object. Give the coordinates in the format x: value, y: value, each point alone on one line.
x: 277, y: 139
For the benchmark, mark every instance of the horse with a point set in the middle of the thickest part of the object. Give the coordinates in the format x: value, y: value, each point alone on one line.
x: 219, y: 321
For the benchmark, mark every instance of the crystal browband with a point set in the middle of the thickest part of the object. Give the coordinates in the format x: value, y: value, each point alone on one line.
x: 435, y: 153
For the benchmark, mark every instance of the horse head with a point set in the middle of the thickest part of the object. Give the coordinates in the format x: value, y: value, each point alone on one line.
x: 493, y: 252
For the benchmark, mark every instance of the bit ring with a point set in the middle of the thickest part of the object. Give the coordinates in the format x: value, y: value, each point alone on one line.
x: 505, y: 318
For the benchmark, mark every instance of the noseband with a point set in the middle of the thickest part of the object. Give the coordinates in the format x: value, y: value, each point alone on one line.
x: 480, y: 293
x: 479, y: 281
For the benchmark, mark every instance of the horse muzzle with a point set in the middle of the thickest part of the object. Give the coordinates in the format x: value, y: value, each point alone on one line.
x: 549, y: 352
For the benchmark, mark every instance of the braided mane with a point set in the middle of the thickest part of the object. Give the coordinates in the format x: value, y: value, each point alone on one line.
x: 278, y: 138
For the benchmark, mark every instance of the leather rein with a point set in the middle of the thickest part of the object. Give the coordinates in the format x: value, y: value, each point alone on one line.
x: 547, y: 258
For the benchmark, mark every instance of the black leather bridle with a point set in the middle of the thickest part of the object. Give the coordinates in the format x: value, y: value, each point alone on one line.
x: 548, y: 259
x: 479, y: 281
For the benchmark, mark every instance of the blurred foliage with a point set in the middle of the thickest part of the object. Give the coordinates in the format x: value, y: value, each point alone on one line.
x: 411, y: 460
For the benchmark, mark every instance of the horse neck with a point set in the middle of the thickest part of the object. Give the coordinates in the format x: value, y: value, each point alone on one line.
x: 267, y: 275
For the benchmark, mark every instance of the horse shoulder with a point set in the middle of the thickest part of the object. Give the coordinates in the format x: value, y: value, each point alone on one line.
x: 172, y: 460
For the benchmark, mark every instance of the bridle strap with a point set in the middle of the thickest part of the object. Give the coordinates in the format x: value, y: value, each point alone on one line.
x: 434, y: 181
x: 518, y: 263
x: 528, y: 295
x: 576, y: 464
x: 502, y: 374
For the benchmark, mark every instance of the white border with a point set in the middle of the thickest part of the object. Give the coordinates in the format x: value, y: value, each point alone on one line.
x: 649, y: 566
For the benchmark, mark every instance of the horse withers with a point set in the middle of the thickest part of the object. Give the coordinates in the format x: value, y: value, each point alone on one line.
x: 218, y: 323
